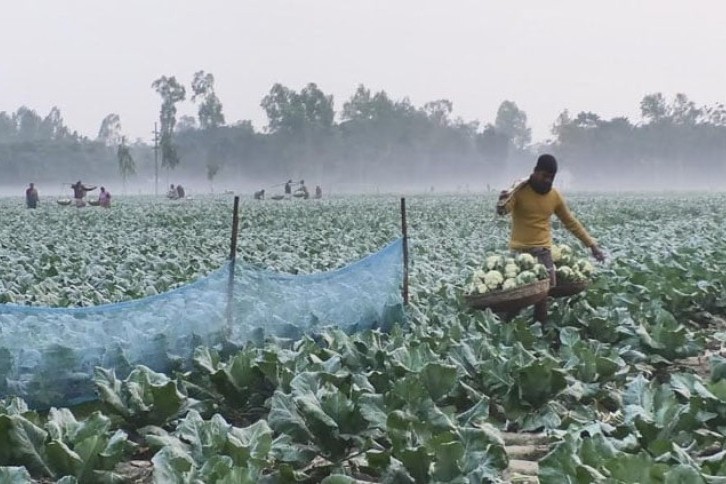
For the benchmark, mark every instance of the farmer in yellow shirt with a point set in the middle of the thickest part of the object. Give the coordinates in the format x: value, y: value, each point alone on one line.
x: 532, y: 204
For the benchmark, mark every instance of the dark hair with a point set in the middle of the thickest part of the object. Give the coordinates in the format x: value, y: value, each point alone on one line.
x: 546, y: 163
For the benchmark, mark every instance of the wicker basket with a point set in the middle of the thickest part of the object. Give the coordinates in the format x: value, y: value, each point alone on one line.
x: 94, y: 203
x: 63, y: 201
x: 511, y: 299
x: 569, y: 289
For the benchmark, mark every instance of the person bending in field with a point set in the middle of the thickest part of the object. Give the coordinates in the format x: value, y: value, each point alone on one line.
x: 532, y: 204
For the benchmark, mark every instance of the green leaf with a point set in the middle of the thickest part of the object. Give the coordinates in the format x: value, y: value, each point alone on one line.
x: 539, y: 382
x: 438, y: 379
x: 448, y: 454
x: 14, y: 475
x: 172, y: 464
x: 284, y: 418
x: 27, y: 443
x: 253, y: 442
x: 338, y: 479
x: 417, y: 462
x: 683, y: 474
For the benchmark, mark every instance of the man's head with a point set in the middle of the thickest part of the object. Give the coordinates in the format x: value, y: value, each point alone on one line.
x: 544, y: 174
x: 32, y: 185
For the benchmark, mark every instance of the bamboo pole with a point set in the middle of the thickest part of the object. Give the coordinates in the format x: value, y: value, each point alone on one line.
x: 404, y: 230
x: 232, y: 260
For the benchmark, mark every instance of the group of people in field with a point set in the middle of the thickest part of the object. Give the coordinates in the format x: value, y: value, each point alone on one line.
x: 176, y: 193
x: 300, y: 192
x: 79, y: 194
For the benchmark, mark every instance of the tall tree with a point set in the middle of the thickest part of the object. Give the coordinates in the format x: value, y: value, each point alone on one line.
x: 210, y: 107
x: 285, y: 111
x: 171, y: 93
x: 439, y: 111
x: 52, y: 127
x: 653, y: 108
x: 28, y: 124
x: 110, y: 131
x: 318, y: 107
x: 512, y: 122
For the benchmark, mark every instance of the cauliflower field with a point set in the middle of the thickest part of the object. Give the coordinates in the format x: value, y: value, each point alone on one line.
x: 610, y: 379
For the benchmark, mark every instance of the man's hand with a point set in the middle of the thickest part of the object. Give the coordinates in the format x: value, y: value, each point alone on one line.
x: 597, y: 253
x: 501, y: 210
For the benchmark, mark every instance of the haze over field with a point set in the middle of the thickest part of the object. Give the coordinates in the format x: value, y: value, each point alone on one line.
x: 363, y: 96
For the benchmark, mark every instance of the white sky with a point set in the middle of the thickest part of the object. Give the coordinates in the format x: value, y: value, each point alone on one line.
x: 92, y: 57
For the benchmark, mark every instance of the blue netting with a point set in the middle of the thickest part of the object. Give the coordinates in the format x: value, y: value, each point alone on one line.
x: 47, y: 355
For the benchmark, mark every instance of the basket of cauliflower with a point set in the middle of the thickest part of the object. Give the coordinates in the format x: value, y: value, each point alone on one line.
x: 507, y: 283
x: 573, y: 273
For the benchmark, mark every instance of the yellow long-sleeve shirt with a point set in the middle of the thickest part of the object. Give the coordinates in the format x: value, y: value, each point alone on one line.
x: 531, y: 213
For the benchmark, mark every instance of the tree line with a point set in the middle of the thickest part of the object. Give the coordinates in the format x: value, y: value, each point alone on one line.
x: 371, y: 139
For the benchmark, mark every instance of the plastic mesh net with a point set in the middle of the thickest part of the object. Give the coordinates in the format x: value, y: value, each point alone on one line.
x: 47, y: 355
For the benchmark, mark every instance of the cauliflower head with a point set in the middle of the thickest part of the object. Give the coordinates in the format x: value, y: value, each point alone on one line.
x: 511, y: 270
x: 509, y: 284
x: 493, y: 279
x: 526, y: 261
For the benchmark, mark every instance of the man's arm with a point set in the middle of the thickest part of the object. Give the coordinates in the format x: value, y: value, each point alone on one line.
x: 505, y: 204
x: 576, y: 228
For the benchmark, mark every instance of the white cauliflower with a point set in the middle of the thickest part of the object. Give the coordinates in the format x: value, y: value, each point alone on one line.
x: 511, y: 270
x: 509, y: 284
x: 526, y: 277
x: 494, y: 262
x: 565, y: 273
x: 556, y: 253
x: 493, y: 279
x: 541, y: 271
x: 586, y: 267
x: 525, y: 261
x: 565, y: 249
x: 482, y: 288
x: 478, y: 275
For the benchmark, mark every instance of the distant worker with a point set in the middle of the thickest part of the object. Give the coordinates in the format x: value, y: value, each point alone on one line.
x: 260, y: 195
x: 288, y: 189
x: 79, y: 193
x: 104, y: 198
x: 31, y: 196
x: 305, y: 193
x: 180, y: 191
x: 318, y: 192
x: 172, y: 193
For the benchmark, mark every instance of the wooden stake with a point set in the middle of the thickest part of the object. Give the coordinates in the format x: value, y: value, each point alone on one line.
x: 232, y: 260
x: 235, y: 228
x: 404, y: 229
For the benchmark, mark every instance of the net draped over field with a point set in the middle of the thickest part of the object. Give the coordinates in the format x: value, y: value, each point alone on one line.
x: 47, y: 355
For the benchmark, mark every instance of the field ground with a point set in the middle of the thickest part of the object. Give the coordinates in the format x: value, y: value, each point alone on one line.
x: 633, y: 391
